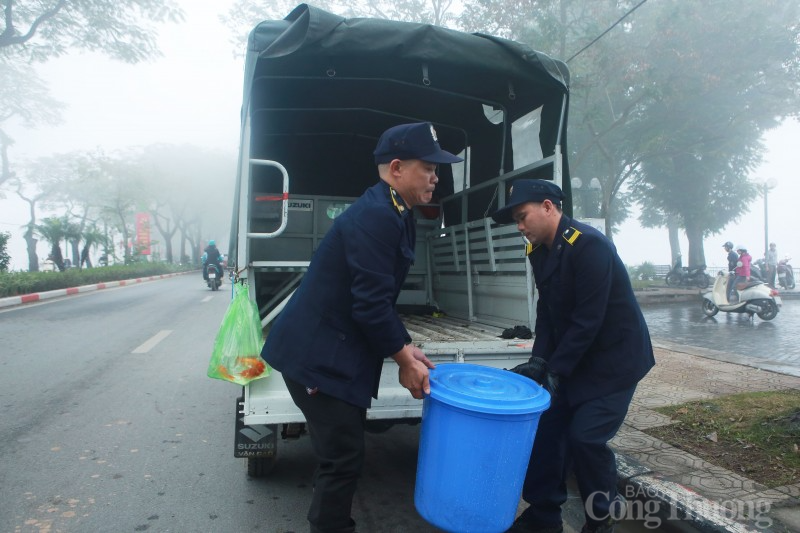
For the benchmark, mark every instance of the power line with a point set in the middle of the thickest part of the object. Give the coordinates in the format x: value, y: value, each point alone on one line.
x: 608, y: 30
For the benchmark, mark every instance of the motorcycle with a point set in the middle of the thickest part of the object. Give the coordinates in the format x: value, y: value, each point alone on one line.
x: 688, y: 277
x: 758, y: 270
x: 755, y: 297
x: 785, y: 274
x: 214, y: 280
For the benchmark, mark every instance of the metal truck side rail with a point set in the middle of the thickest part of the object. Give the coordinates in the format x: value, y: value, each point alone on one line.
x: 284, y: 200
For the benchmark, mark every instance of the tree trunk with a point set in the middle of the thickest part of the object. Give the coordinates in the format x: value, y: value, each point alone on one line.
x: 696, y: 253
x: 30, y: 240
x: 166, y: 235
x: 85, y: 257
x: 33, y: 258
x: 674, y: 241
x: 58, y: 259
x: 76, y: 256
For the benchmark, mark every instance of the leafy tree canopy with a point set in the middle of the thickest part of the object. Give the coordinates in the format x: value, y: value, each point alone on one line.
x: 122, y: 29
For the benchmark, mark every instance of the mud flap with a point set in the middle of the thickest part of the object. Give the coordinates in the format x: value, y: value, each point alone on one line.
x: 254, y: 441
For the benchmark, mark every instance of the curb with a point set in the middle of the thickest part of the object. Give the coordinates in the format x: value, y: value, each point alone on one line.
x: 663, y: 296
x: 57, y: 293
x: 681, y: 502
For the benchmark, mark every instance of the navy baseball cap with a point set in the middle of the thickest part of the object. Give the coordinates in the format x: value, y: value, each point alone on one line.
x: 412, y: 141
x: 524, y: 191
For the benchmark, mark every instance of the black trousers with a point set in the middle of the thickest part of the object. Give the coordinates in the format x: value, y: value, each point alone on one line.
x: 337, y: 436
x: 575, y: 436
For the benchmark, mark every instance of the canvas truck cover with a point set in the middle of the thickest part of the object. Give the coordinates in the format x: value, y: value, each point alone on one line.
x: 319, y: 89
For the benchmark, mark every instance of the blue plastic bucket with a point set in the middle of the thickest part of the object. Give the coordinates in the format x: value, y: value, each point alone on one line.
x: 478, y: 426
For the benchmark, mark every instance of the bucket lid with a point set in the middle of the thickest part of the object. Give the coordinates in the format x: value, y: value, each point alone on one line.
x: 486, y: 389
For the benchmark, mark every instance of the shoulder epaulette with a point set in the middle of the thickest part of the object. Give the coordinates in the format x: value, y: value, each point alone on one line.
x: 571, y: 235
x: 398, y: 205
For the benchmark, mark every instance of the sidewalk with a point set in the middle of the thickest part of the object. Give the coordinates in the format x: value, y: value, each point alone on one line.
x: 687, y: 487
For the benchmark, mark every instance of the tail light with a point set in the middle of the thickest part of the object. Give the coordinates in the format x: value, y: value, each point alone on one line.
x: 773, y: 292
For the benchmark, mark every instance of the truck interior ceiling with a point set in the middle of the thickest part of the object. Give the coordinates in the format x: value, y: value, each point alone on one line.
x: 324, y: 130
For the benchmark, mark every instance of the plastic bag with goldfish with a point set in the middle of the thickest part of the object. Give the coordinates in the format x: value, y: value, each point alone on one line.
x: 237, y: 348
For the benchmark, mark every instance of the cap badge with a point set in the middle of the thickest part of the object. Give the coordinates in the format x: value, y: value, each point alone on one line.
x: 433, y: 134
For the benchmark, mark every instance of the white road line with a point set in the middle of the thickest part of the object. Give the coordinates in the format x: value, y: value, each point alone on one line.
x: 207, y: 298
x: 152, y: 341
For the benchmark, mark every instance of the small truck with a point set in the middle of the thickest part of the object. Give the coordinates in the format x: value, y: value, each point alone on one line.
x: 319, y: 90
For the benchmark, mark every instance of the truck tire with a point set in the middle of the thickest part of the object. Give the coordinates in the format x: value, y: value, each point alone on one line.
x: 260, y: 466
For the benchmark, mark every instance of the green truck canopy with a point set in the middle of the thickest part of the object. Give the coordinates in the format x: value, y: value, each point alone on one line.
x: 319, y: 89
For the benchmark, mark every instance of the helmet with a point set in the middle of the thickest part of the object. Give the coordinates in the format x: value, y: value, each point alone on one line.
x: 728, y: 244
x: 212, y: 242
x: 741, y: 248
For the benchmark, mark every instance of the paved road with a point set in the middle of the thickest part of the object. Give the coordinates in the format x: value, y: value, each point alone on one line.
x: 772, y: 345
x: 108, y: 423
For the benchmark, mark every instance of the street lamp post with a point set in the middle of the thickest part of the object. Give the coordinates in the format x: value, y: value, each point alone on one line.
x: 577, y: 183
x: 766, y: 185
x: 589, y: 197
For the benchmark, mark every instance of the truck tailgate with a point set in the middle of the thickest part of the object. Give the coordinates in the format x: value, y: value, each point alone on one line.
x: 443, y: 339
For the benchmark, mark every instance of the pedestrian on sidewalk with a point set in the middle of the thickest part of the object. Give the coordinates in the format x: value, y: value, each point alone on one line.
x: 591, y: 349
x: 772, y: 263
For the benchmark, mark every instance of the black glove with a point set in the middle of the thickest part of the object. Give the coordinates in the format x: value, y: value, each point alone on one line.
x: 536, y: 369
x: 551, y: 384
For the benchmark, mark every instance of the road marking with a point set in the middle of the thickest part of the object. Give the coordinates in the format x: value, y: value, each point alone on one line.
x: 207, y: 298
x: 152, y: 341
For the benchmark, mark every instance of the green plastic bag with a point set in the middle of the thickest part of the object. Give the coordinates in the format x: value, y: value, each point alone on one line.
x: 237, y: 348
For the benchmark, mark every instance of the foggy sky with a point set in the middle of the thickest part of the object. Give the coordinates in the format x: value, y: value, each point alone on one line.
x: 193, y: 95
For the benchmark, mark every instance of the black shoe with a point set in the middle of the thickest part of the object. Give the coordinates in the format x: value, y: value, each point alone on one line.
x: 605, y: 527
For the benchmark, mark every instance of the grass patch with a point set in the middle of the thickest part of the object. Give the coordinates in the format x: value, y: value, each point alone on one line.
x: 754, y: 434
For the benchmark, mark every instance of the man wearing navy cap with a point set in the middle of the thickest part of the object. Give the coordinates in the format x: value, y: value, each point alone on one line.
x: 330, y: 340
x: 591, y: 348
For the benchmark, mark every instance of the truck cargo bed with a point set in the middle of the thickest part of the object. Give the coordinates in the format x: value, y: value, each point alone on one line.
x: 443, y: 339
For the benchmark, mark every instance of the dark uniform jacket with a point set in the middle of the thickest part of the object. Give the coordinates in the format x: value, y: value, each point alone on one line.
x: 589, y: 326
x: 341, y: 322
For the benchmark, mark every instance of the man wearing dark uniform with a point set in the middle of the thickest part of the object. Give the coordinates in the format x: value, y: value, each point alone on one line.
x: 590, y: 350
x: 330, y: 340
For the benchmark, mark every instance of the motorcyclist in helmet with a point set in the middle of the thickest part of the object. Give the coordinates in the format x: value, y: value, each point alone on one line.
x: 733, y: 258
x: 211, y: 256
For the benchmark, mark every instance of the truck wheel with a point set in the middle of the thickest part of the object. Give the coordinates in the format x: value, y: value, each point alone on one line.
x: 260, y: 466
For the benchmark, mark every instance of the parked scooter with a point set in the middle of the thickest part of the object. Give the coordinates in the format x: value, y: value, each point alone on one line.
x: 755, y: 297
x: 758, y: 270
x: 785, y: 273
x: 687, y: 277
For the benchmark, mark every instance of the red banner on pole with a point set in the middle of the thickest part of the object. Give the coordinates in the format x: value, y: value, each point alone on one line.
x: 143, y: 233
